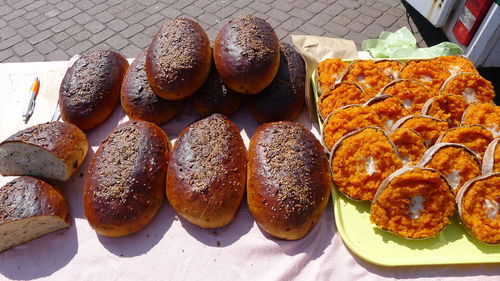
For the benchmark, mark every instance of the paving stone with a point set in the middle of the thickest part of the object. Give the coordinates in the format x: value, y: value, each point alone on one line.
x: 10, y: 42
x: 5, y: 9
x: 356, y: 26
x: 27, y: 31
x: 21, y: 4
x: 356, y: 37
x: 226, y: 12
x: 101, y: 36
x: 381, y: 6
x: 40, y: 36
x: 259, y: 6
x: 209, y: 19
x: 132, y: 30
x: 244, y: 11
x: 291, y: 24
x: 38, y: 20
x: 33, y: 56
x: 238, y: 3
x: 117, y: 25
x: 63, y: 26
x: 280, y: 6
x: 342, y: 20
x: 66, y: 5
x: 369, y: 11
x: 321, y: 19
x: 396, y: 12
x: 57, y: 55
x: 301, y: 13
x: 309, y: 29
x: 348, y: 3
x: 60, y: 36
x: 278, y: 15
x: 7, y: 32
x: 45, y: 47
x: 364, y: 19
x: 141, y: 40
x: 82, y: 36
x: 373, y: 30
x: 131, y: 51
x: 35, y: 5
x: 74, y: 29
x: 31, y: 15
x: 386, y: 20
x: 193, y: 11
x: 316, y: 7
x: 350, y: 13
x: 171, y: 13
x: 334, y: 9
x: 14, y: 14
x: 69, y: 14
x: 22, y: 48
x: 94, y: 26
x: 336, y: 28
x: 79, y: 48
x: 5, y: 54
x: 84, y: 18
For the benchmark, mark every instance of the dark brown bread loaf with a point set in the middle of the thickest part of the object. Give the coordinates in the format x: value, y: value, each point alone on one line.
x: 51, y: 150
x: 124, y: 187
x: 215, y: 97
x: 30, y: 208
x: 138, y: 99
x: 288, y: 179
x: 90, y: 89
x: 207, y: 172
x: 178, y: 59
x: 246, y: 53
x: 284, y: 98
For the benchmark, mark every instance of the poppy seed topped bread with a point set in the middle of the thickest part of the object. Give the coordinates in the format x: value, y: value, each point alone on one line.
x: 247, y: 54
x: 90, y: 89
x: 178, y: 59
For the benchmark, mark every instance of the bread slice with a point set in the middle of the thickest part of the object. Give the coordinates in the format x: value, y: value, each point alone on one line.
x: 51, y: 150
x: 30, y: 208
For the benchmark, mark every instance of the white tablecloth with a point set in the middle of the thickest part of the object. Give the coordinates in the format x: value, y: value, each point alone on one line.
x: 170, y: 248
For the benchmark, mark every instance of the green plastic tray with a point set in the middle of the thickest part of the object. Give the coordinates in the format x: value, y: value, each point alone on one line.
x: 452, y: 246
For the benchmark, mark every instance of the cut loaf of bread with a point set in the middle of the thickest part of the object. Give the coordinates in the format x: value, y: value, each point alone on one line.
x: 30, y: 208
x: 51, y: 150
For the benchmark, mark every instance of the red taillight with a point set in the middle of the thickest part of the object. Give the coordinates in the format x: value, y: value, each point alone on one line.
x: 469, y: 20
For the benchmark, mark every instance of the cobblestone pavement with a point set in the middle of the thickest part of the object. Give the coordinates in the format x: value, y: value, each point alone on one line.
x: 45, y: 30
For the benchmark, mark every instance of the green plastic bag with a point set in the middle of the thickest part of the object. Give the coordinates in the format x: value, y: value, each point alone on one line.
x: 403, y: 45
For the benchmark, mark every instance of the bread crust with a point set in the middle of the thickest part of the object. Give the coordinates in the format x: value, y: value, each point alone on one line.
x: 283, y: 99
x: 63, y: 140
x: 138, y: 99
x: 124, y: 185
x: 178, y: 59
x: 90, y: 89
x: 207, y: 173
x: 289, y: 180
x: 246, y: 54
x: 26, y: 197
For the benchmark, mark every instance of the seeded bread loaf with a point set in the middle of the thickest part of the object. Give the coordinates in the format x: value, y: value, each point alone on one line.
x: 30, y: 208
x: 246, y: 54
x: 215, y: 97
x: 178, y: 59
x: 138, y: 99
x: 51, y: 150
x: 284, y: 98
x: 207, y: 173
x: 124, y: 187
x: 288, y: 179
x: 90, y: 89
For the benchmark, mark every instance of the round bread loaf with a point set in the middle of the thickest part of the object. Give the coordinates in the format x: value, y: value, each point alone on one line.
x: 215, y: 97
x: 246, y: 54
x: 90, y: 89
x: 207, y: 172
x: 124, y: 185
x: 284, y: 98
x: 138, y: 99
x: 288, y: 179
x: 30, y: 208
x: 178, y: 59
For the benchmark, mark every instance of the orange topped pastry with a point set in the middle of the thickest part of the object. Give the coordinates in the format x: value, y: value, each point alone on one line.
x: 457, y: 64
x: 366, y: 73
x: 347, y: 119
x: 473, y: 87
x: 391, y: 68
x: 389, y: 109
x: 431, y: 73
x: 411, y: 146
x: 491, y: 159
x: 411, y: 92
x: 486, y: 114
x: 341, y: 94
x: 414, y: 203
x: 475, y: 137
x: 361, y: 160
x: 329, y: 71
x: 449, y: 108
x: 478, y: 206
x: 429, y: 128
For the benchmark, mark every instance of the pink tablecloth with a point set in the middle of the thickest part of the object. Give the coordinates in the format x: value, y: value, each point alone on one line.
x: 171, y: 248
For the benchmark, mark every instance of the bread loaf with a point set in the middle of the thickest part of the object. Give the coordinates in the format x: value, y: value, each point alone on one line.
x: 215, y: 97
x: 51, y: 150
x: 288, y: 179
x: 90, y: 89
x: 124, y: 185
x: 30, y: 208
x: 246, y: 53
x: 284, y: 98
x: 178, y: 59
x: 207, y: 172
x: 138, y: 99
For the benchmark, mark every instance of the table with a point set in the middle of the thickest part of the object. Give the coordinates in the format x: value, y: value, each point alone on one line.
x: 171, y: 248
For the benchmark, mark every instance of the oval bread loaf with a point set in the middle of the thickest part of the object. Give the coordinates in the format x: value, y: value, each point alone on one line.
x: 246, y: 53
x: 284, y: 98
x: 90, y: 89
x: 288, y: 179
x: 125, y: 180
x: 178, y: 59
x: 52, y: 150
x: 138, y: 99
x: 207, y: 173
x: 30, y: 208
